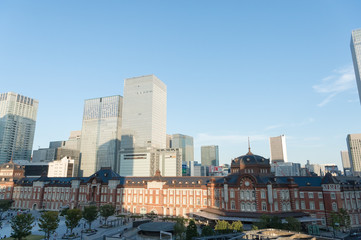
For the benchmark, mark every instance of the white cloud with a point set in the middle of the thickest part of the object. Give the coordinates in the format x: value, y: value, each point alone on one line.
x: 273, y: 127
x: 340, y: 81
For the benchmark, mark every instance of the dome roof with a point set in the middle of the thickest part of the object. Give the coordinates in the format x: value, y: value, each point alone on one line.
x: 250, y: 159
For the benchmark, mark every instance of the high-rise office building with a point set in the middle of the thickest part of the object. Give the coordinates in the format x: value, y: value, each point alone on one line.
x: 278, y: 149
x: 17, y: 126
x: 101, y: 134
x: 354, y: 152
x: 144, y: 113
x: 356, y: 57
x: 186, y: 144
x: 346, y: 163
x: 210, y: 155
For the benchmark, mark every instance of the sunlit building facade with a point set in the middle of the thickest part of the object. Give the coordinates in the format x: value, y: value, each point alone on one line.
x: 101, y: 134
x: 356, y: 56
x: 17, y: 126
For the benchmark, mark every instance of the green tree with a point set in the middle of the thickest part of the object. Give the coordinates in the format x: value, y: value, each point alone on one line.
x: 344, y: 218
x: 292, y: 224
x: 223, y: 226
x: 4, y: 206
x: 21, y: 226
x: 269, y: 222
x: 254, y: 227
x: 207, y: 231
x: 90, y: 214
x: 179, y: 228
x: 48, y: 223
x: 63, y: 211
x: 72, y: 218
x: 191, y: 230
x: 237, y: 226
x: 107, y: 211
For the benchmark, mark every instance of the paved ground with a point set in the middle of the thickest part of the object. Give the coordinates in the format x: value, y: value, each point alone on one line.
x: 62, y: 229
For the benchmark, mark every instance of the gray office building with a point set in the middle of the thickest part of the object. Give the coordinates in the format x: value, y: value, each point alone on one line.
x: 354, y: 152
x: 210, y: 155
x: 17, y: 126
x: 186, y: 144
x: 356, y: 57
x: 101, y: 134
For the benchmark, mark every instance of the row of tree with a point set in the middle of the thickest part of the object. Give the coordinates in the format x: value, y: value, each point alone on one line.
x: 22, y: 224
x: 266, y: 221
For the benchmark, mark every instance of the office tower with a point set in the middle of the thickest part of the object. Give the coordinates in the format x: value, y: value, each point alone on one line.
x: 101, y: 133
x: 74, y: 140
x: 210, y: 155
x: 17, y: 126
x: 346, y: 163
x: 356, y: 57
x: 47, y: 154
x: 354, y: 152
x: 278, y: 149
x: 144, y: 113
x: 186, y: 144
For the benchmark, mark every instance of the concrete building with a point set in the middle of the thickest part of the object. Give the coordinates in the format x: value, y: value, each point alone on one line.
x: 196, y: 169
x: 17, y: 126
x: 47, y: 154
x: 144, y: 113
x: 210, y: 155
x: 145, y: 162
x: 356, y: 56
x: 278, y: 149
x: 101, y: 134
x: 286, y: 168
x: 354, y: 151
x: 186, y: 144
x: 61, y: 168
x: 346, y: 163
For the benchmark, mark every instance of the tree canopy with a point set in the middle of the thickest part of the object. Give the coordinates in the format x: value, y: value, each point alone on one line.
x: 21, y: 226
x: 179, y: 228
x: 191, y: 230
x: 107, y: 211
x: 72, y: 218
x: 48, y: 223
x: 90, y: 214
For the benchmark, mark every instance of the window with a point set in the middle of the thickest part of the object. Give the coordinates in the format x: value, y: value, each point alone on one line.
x: 150, y: 199
x: 275, y: 194
x: 233, y: 205
x: 297, y: 205
x: 296, y: 194
x: 242, y: 194
x: 320, y: 195
x: 198, y: 201
x: 284, y: 207
x: 333, y: 195
x: 263, y: 194
x: 165, y: 200
x: 310, y: 195
x: 231, y: 193
x: 321, y: 206
x: 302, y: 195
x: 205, y: 201
x: 264, y: 206
x: 184, y: 200
x: 303, y: 205
x: 276, y: 206
x: 312, y: 205
x: 334, y: 207
x: 242, y: 207
x: 191, y: 201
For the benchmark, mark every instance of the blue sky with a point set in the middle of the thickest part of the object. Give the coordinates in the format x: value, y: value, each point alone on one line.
x: 233, y: 68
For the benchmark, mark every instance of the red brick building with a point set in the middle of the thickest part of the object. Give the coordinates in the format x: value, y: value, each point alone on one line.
x: 247, y: 193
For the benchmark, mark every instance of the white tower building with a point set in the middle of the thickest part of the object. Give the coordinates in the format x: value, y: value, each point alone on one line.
x: 356, y: 57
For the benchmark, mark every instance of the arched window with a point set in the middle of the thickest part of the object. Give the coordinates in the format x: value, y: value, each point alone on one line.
x: 242, y: 206
x: 253, y: 207
x: 248, y: 207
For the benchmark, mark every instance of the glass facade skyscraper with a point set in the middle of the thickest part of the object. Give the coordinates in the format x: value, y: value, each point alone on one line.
x: 356, y: 57
x: 17, y: 126
x: 186, y: 144
x: 210, y: 155
x: 101, y: 134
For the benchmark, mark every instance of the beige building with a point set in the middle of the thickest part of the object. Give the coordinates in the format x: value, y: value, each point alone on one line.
x: 61, y: 168
x: 278, y: 149
x: 354, y: 151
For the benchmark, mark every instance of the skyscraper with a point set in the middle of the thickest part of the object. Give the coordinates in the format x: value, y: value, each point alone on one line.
x: 101, y: 133
x: 186, y: 144
x: 354, y: 152
x: 210, y: 155
x: 356, y: 57
x: 17, y: 126
x: 278, y: 149
x: 346, y: 163
x: 144, y: 113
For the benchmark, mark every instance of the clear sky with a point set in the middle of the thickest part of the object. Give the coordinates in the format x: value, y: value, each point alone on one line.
x: 233, y: 69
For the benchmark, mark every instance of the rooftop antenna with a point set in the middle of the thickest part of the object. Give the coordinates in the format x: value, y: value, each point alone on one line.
x: 249, y: 148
